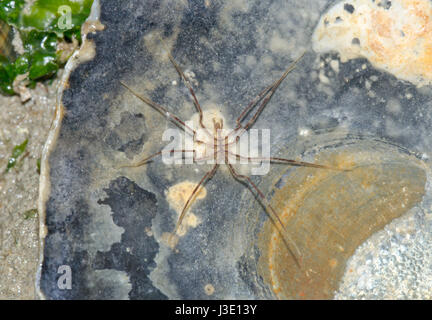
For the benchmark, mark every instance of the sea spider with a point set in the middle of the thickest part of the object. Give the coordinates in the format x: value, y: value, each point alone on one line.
x: 218, y: 145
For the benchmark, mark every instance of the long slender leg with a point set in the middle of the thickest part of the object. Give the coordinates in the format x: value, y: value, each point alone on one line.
x: 251, y: 104
x: 305, y: 164
x: 265, y: 96
x: 191, y: 90
x: 245, y: 112
x: 207, y: 176
x: 287, y: 161
x: 161, y: 109
x: 272, y: 91
x: 147, y: 159
x: 271, y: 213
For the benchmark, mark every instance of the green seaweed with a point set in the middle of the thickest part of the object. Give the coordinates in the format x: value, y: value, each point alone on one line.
x: 16, y: 152
x: 30, y: 214
x: 42, y: 26
x: 7, y: 75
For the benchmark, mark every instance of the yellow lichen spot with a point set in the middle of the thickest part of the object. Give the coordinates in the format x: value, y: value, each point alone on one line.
x: 394, y: 36
x: 333, y: 263
x: 149, y: 232
x: 169, y: 239
x: 209, y: 289
x: 177, y: 196
x: 341, y: 249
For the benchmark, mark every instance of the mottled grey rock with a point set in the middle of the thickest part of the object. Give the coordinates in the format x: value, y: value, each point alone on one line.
x: 107, y: 223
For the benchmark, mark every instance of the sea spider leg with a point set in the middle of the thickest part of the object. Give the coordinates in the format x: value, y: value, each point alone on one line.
x: 277, y: 222
x: 257, y: 99
x: 251, y: 104
x: 186, y: 80
x: 203, y: 180
x: 192, y: 92
x: 147, y: 159
x: 177, y: 121
x: 207, y: 176
x: 286, y: 161
x: 266, y: 94
x: 163, y: 111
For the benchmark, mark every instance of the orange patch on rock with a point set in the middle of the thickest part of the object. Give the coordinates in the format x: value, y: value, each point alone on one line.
x: 326, y: 210
x: 397, y: 39
x: 177, y: 197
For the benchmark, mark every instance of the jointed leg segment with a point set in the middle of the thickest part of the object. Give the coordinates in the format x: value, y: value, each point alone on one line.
x: 207, y: 176
x: 263, y: 96
x: 277, y: 222
x: 147, y: 159
x: 285, y: 161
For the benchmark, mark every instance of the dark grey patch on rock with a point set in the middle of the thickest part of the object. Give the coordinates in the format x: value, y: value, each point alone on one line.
x: 386, y: 4
x: 133, y: 209
x: 74, y: 159
x: 129, y: 135
x: 349, y: 7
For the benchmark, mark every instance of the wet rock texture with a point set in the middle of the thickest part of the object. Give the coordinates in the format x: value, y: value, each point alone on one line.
x: 108, y: 223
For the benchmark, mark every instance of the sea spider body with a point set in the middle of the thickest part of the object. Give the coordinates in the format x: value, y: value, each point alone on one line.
x: 218, y: 145
x: 215, y: 145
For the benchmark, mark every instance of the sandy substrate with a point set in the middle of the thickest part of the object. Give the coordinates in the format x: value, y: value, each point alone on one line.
x: 19, y: 188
